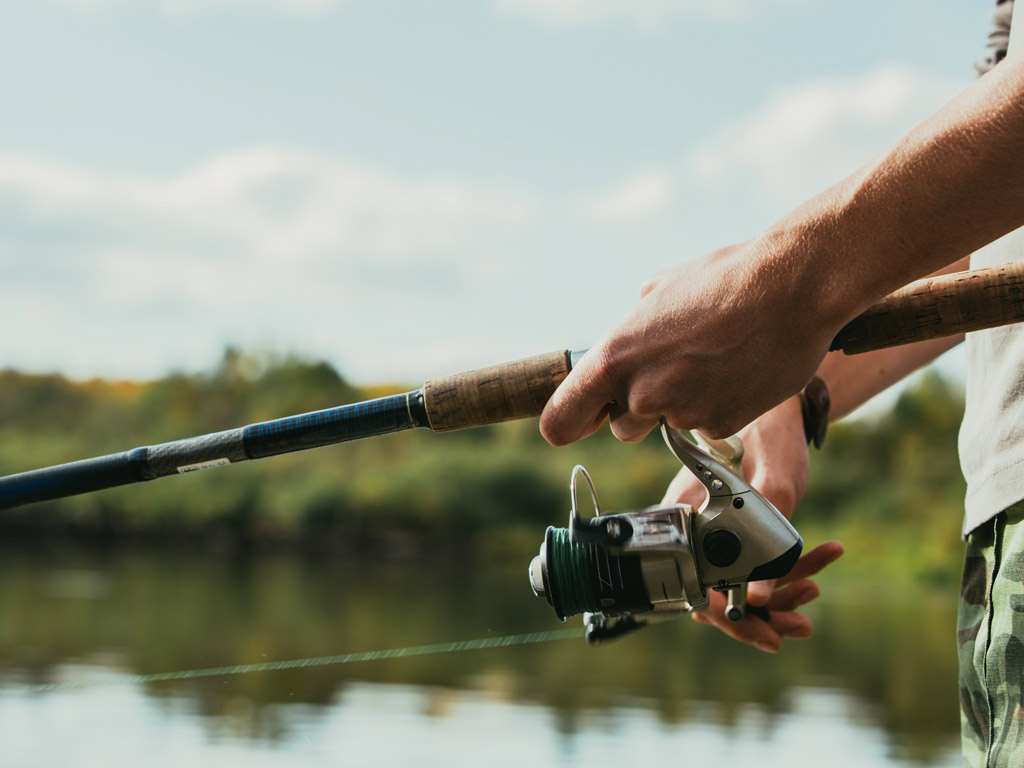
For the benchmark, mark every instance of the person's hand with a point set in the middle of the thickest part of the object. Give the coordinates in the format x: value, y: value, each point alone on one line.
x: 711, y: 345
x: 716, y: 342
x: 775, y: 462
x: 787, y: 594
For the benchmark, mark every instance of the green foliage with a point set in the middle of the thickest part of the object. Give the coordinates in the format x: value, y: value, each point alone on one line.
x: 889, y: 487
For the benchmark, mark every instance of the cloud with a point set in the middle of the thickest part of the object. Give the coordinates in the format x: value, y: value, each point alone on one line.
x: 270, y: 202
x: 640, y: 197
x: 254, y: 219
x: 810, y: 135
x: 265, y: 243
x: 647, y: 15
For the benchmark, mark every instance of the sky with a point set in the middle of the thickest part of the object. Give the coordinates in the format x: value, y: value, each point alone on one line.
x: 408, y: 188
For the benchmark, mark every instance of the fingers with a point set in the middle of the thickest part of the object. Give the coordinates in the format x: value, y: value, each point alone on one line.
x: 791, y: 626
x: 631, y: 427
x: 750, y: 629
x: 588, y: 394
x: 558, y: 429
x: 576, y: 409
x: 760, y: 592
x: 812, y: 562
x: 784, y: 602
x: 766, y: 636
x: 794, y: 596
x: 597, y: 422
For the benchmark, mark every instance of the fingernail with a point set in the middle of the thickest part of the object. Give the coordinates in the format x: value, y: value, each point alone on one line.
x: 766, y: 647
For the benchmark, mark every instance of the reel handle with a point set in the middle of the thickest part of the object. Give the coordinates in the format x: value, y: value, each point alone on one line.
x: 737, y: 606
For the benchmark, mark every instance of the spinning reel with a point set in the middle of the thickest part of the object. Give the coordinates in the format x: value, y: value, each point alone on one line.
x: 660, y: 562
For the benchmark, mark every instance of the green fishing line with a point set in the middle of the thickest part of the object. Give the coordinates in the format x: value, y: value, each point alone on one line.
x: 317, y: 661
x: 573, y: 566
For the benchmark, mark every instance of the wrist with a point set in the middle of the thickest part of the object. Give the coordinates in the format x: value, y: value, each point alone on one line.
x: 852, y: 244
x: 824, y: 258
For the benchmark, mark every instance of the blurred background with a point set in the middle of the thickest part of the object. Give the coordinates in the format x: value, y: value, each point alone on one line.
x: 214, y: 212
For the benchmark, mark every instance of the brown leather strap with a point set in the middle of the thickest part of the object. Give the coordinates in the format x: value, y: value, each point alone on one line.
x: 814, y: 401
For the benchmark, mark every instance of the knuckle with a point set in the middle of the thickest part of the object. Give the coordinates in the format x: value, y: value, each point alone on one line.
x: 682, y: 417
x: 712, y: 429
x: 644, y: 402
x: 652, y: 283
x: 722, y: 426
x: 696, y: 413
x: 604, y: 369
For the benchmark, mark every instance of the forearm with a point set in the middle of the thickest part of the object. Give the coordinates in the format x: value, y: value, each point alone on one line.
x: 853, y: 380
x: 948, y: 187
x: 714, y: 343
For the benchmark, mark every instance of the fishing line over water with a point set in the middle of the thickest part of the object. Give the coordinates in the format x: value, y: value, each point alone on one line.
x: 505, y: 641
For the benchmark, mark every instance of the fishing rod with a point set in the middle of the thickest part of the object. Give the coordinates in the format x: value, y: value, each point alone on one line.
x: 930, y: 308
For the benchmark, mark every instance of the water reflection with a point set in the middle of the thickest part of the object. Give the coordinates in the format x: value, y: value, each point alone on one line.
x: 877, y: 683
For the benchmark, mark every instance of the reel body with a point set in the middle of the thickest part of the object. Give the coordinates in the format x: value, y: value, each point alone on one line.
x: 661, y: 562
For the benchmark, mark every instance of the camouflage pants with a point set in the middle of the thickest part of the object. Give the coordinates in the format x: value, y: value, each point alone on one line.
x: 990, y: 632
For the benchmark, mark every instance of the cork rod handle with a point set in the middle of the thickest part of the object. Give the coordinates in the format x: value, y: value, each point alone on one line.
x: 503, y: 392
x: 938, y: 306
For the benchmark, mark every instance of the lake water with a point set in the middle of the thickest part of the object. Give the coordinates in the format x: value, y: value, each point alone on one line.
x: 876, y: 686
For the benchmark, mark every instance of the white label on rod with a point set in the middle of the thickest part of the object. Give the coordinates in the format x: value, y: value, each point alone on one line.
x: 203, y: 465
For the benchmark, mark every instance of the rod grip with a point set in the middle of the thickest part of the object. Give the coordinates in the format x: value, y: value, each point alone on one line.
x: 516, y: 390
x: 938, y: 306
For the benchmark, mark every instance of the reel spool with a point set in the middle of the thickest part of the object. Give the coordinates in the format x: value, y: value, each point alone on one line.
x: 660, y: 562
